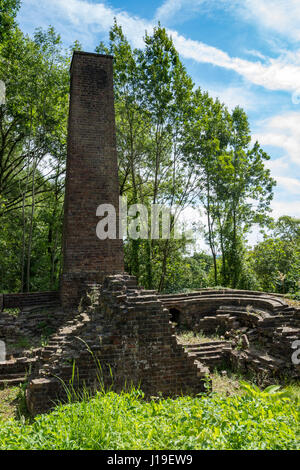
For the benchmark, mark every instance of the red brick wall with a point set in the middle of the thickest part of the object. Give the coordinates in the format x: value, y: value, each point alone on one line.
x: 28, y: 299
x: 92, y: 175
x: 124, y: 339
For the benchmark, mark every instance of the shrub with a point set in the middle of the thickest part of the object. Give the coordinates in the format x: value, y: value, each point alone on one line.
x: 127, y: 421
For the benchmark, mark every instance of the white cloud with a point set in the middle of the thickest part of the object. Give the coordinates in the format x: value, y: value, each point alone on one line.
x: 281, y: 16
x: 279, y: 166
x: 282, y: 73
x: 234, y: 96
x: 282, y: 131
x: 256, y: 54
x: 290, y: 185
x: 81, y: 19
x: 170, y: 8
x: 291, y: 208
x: 100, y: 17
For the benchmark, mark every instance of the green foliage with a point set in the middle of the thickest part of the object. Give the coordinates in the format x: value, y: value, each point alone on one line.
x: 176, y: 146
x: 153, y: 93
x: 272, y: 392
x: 8, y: 11
x: 12, y: 311
x: 126, y: 421
x: 231, y: 174
x: 276, y: 260
x: 32, y: 157
x: 188, y: 273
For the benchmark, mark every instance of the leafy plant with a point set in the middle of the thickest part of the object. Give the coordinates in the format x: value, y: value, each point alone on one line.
x: 126, y: 421
x: 273, y: 392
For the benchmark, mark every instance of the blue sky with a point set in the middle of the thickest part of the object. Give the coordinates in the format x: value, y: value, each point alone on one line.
x: 246, y: 52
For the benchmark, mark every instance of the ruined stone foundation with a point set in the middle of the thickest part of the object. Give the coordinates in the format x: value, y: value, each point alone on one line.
x: 123, y: 338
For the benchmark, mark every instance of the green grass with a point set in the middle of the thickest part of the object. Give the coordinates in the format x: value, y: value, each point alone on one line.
x: 293, y: 391
x: 189, y: 337
x: 126, y: 421
x: 9, y: 400
x: 12, y: 311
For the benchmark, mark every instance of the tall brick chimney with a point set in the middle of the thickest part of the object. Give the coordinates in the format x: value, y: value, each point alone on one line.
x: 91, y: 177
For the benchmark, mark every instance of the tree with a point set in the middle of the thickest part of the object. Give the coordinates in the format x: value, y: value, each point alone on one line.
x: 207, y: 137
x: 288, y: 228
x: 235, y: 187
x: 176, y: 147
x: 250, y: 188
x: 32, y: 130
x: 152, y: 92
x: 33, y: 119
x: 133, y: 128
x: 277, y: 257
x: 8, y: 12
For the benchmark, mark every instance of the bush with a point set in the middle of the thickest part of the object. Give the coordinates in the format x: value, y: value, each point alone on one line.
x: 127, y: 421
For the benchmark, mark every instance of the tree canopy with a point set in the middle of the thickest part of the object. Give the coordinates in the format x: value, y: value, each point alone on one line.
x: 176, y: 146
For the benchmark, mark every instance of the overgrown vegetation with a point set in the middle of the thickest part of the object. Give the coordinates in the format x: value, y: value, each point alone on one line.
x: 190, y: 337
x: 126, y: 421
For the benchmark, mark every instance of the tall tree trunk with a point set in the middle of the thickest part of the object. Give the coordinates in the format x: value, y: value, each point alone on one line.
x: 23, y: 211
x: 31, y: 225
x: 210, y: 231
x: 164, y: 265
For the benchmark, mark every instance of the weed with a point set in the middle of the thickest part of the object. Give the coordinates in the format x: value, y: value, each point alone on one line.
x: 126, y: 421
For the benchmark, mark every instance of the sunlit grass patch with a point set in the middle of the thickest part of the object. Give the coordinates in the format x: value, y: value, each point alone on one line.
x: 190, y: 337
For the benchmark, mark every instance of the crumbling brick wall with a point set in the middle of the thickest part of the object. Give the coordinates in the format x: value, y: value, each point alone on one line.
x: 124, y: 339
x: 127, y: 333
x: 22, y: 300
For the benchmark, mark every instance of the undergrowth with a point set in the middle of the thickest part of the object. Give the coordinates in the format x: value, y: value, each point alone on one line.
x: 126, y: 421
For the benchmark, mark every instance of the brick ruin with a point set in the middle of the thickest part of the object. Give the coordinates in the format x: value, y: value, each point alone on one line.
x: 91, y: 177
x: 124, y: 337
x: 257, y: 331
x: 104, y: 327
